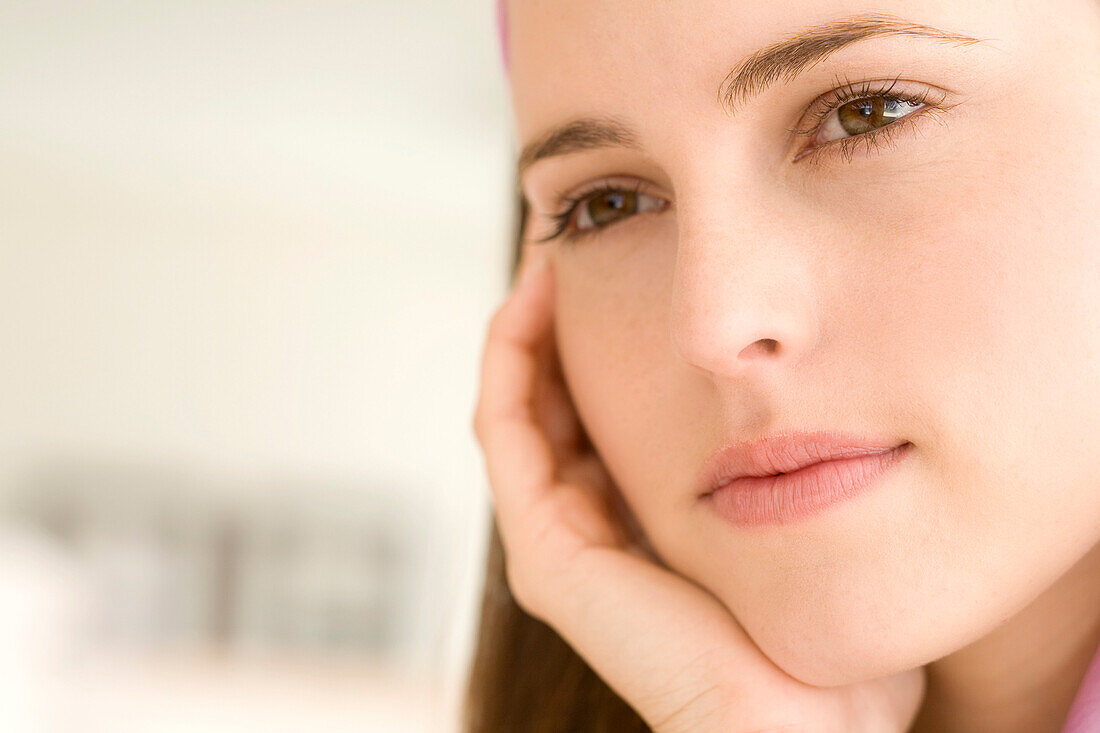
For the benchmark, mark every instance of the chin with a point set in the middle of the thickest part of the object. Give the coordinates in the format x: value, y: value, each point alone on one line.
x: 833, y: 631
x: 828, y: 657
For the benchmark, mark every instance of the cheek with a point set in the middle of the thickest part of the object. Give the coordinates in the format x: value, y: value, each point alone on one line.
x: 612, y: 333
x: 996, y: 318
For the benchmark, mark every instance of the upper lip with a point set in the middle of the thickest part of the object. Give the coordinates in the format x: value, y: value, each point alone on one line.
x: 783, y: 453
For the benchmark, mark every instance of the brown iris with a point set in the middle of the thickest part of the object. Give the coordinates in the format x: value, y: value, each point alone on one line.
x: 863, y: 115
x: 605, y: 208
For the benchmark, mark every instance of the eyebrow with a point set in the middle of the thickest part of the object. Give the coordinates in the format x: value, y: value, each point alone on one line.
x: 784, y: 60
x: 788, y: 58
x: 587, y: 133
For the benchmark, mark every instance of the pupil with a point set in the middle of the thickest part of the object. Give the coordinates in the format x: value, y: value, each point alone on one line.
x: 603, y: 208
x: 864, y: 115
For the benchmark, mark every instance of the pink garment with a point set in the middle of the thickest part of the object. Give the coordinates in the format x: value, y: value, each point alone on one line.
x: 1084, y: 714
x: 502, y: 33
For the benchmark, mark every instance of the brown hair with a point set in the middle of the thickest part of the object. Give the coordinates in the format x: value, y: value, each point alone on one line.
x: 523, y: 676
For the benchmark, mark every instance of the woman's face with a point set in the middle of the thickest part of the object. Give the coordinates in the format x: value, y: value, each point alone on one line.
x: 937, y: 282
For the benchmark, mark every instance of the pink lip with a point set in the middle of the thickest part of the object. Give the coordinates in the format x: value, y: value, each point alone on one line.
x: 780, y: 479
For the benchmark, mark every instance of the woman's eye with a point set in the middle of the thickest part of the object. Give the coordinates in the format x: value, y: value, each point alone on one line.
x: 599, y: 207
x: 861, y: 116
x: 606, y: 207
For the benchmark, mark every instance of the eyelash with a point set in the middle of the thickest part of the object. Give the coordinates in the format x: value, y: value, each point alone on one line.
x: 820, y: 109
x: 569, y: 204
x: 846, y: 147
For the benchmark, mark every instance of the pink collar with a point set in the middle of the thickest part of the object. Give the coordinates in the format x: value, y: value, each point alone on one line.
x: 1084, y: 714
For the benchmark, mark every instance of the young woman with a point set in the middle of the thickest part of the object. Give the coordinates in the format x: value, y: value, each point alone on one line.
x: 792, y: 421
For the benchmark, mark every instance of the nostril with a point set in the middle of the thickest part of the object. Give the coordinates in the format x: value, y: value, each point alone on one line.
x: 760, y: 347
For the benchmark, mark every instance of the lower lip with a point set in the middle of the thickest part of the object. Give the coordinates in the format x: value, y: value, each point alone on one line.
x: 754, y: 501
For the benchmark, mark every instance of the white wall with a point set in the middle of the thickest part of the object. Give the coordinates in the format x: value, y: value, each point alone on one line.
x: 258, y: 240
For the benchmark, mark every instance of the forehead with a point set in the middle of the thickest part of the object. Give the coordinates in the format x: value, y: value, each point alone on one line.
x: 574, y: 56
x: 654, y: 61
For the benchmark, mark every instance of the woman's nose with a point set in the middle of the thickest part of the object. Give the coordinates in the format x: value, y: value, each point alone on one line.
x: 738, y: 308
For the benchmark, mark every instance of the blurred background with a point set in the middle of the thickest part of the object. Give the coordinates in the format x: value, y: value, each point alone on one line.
x: 247, y: 254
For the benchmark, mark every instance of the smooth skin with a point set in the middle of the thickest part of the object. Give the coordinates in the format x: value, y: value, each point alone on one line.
x: 665, y: 645
x: 940, y: 288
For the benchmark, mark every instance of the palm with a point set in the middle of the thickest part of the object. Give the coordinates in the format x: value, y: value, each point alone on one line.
x: 575, y: 560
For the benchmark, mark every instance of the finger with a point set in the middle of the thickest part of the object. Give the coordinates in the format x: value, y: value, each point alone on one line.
x: 586, y: 473
x: 659, y: 640
x: 556, y: 408
x: 559, y: 417
x: 517, y: 331
x: 519, y: 458
x: 588, y: 469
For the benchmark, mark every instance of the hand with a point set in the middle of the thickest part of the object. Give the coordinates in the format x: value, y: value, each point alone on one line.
x: 573, y: 559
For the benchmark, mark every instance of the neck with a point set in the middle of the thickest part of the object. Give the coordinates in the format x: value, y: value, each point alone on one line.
x: 1024, y: 675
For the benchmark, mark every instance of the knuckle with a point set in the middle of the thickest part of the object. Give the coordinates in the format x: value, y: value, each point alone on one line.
x: 708, y: 708
x: 521, y: 587
x: 516, y: 584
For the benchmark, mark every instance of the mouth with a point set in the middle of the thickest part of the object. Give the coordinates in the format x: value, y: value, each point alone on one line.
x: 787, y: 497
x: 786, y: 454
